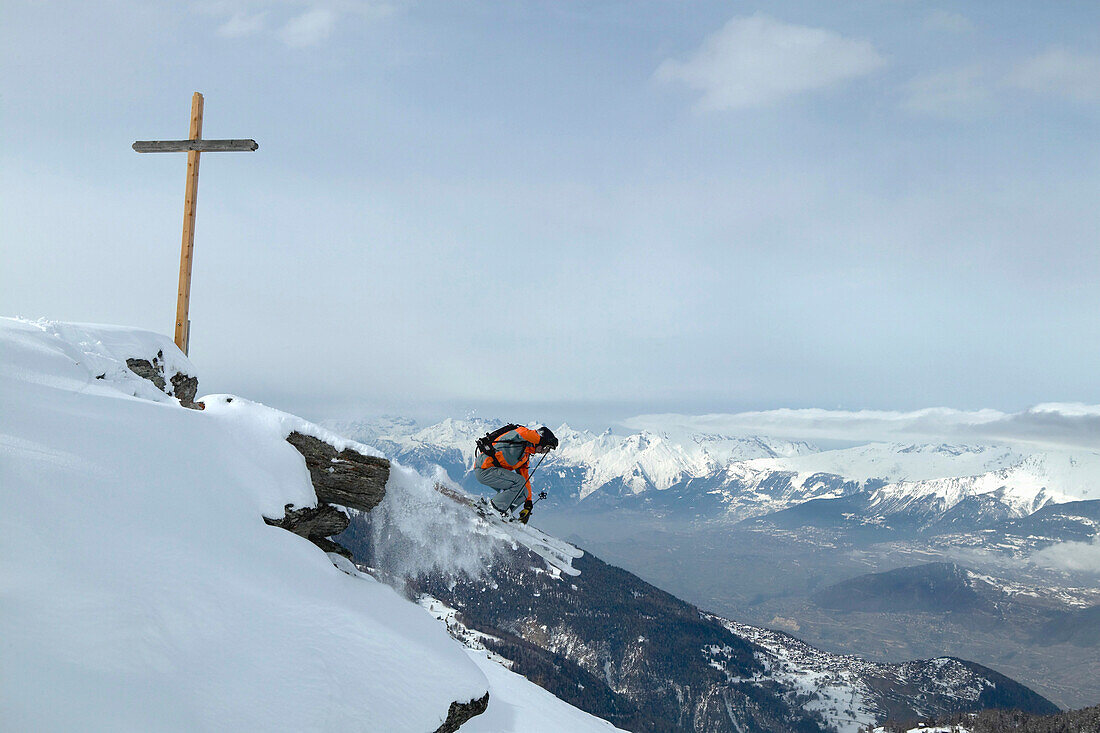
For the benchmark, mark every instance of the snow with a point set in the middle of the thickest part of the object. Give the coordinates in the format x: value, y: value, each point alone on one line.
x: 647, y: 460
x: 1019, y: 488
x: 140, y: 588
x: 80, y: 352
x: 433, y: 526
x: 517, y: 706
x: 470, y: 638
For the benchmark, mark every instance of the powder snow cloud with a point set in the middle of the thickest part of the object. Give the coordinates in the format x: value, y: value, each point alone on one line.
x: 757, y: 61
x: 1067, y: 425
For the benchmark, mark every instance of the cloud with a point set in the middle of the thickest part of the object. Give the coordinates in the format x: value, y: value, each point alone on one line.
x: 971, y: 91
x: 297, y: 23
x: 309, y: 28
x: 1071, y: 556
x: 1060, y: 72
x: 1052, y: 425
x: 963, y: 92
x: 948, y: 22
x: 757, y: 61
x: 242, y: 24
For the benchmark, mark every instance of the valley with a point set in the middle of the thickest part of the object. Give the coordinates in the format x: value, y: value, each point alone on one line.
x: 769, y: 578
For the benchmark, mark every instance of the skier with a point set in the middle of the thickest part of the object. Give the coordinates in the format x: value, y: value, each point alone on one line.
x: 502, y: 464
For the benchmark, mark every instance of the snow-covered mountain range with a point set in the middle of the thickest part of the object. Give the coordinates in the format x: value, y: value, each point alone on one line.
x: 633, y: 463
x: 732, y: 478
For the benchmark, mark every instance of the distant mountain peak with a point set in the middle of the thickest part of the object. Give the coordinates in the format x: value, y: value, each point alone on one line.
x: 738, y: 477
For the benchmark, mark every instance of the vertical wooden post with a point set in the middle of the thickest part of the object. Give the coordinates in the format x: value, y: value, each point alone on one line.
x: 183, y: 301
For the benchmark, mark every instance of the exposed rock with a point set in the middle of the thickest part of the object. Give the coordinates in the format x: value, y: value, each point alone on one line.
x: 316, y: 524
x: 312, y: 523
x: 145, y: 369
x: 332, y: 546
x: 347, y: 478
x: 460, y: 712
x: 184, y: 387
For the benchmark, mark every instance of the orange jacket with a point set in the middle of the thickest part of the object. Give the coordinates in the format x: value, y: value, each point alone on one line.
x: 512, y: 454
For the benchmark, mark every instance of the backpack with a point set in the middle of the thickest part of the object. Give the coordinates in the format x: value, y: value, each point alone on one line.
x: 485, y: 444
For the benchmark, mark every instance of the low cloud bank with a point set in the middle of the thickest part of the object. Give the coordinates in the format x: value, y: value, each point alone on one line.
x: 1069, y: 556
x: 1057, y: 425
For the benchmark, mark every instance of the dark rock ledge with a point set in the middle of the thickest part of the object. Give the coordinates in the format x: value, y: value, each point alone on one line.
x: 184, y: 387
x: 340, y: 479
x: 316, y: 525
x: 347, y: 478
x: 460, y: 712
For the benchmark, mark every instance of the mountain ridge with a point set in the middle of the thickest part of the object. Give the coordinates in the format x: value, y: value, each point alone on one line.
x: 724, y: 478
x: 618, y: 647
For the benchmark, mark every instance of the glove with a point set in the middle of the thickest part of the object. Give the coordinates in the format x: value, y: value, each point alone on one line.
x: 525, y: 513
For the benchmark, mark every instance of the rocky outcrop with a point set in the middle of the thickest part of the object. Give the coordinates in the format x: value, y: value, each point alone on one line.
x: 152, y: 371
x: 316, y: 525
x: 460, y: 712
x: 344, y: 478
x: 184, y: 386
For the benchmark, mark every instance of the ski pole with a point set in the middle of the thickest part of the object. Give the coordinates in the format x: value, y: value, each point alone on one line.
x: 542, y: 495
x: 528, y: 483
x: 532, y: 473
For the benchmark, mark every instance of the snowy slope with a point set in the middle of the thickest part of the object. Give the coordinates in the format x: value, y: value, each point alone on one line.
x: 518, y: 706
x: 140, y: 588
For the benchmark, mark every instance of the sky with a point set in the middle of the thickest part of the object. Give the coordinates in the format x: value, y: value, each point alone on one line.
x: 566, y: 211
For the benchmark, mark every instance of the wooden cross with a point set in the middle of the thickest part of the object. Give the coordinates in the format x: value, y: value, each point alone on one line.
x: 192, y: 146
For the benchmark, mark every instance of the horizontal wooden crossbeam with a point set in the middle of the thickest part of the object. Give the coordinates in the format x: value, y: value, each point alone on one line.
x: 199, y: 146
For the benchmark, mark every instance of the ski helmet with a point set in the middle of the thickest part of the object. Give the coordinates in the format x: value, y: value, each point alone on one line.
x: 547, y: 438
